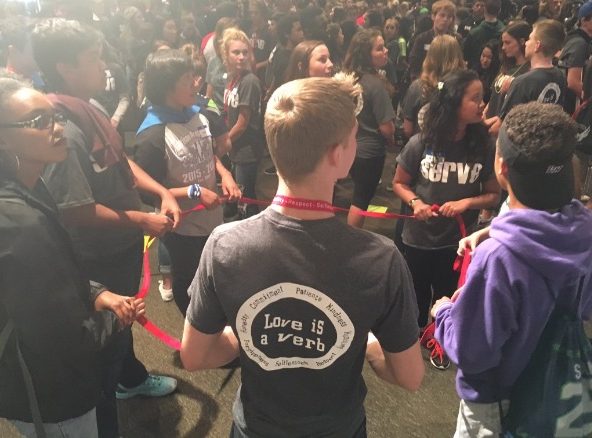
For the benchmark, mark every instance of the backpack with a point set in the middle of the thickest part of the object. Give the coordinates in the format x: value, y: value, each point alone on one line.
x: 553, y: 395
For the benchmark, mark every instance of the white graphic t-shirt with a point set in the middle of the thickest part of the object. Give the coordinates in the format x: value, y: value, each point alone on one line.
x: 301, y: 296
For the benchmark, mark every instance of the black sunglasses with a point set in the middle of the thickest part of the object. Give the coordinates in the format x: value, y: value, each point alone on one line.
x: 41, y: 122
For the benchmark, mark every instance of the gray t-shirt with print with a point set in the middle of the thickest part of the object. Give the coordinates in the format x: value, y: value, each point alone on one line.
x: 78, y: 181
x: 439, y: 179
x: 378, y: 109
x: 301, y: 296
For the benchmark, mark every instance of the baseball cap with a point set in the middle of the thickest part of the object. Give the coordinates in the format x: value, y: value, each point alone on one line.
x: 541, y: 186
x: 585, y: 10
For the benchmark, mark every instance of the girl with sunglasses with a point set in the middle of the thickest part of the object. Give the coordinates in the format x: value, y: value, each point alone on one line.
x: 52, y: 323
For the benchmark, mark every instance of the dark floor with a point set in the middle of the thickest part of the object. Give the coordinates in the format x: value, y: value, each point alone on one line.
x: 202, y: 405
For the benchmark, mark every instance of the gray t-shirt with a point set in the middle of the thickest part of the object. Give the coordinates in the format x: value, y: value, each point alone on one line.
x: 301, y: 296
x: 439, y: 179
x: 79, y: 181
x: 378, y: 109
x: 248, y: 148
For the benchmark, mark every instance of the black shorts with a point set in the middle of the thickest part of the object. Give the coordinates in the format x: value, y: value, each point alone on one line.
x: 365, y: 173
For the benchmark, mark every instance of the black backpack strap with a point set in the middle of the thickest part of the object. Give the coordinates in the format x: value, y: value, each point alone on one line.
x: 31, y: 395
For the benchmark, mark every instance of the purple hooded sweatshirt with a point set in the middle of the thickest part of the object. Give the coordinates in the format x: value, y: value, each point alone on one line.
x: 493, y: 328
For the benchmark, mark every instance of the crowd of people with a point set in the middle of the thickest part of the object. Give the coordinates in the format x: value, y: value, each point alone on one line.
x: 479, y: 100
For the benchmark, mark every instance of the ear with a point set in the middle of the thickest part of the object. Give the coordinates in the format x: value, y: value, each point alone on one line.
x: 64, y: 70
x: 334, y: 154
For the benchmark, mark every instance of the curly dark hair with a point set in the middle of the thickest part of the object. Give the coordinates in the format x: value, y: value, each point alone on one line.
x: 544, y: 133
x: 441, y: 117
x: 358, y: 59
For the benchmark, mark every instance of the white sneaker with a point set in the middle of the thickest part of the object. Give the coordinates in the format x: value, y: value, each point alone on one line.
x: 165, y: 294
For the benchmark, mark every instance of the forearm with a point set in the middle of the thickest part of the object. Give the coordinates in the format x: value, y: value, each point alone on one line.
x: 221, y: 169
x: 377, y: 361
x: 404, y: 192
x: 98, y: 215
x: 219, y: 351
x: 237, y: 130
x: 121, y: 108
x: 145, y: 182
x: 485, y: 200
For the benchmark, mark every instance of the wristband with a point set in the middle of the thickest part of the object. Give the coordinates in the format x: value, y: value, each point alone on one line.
x: 412, y: 201
x: 194, y: 191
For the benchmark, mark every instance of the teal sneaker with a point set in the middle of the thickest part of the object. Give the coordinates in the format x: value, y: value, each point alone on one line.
x: 153, y: 386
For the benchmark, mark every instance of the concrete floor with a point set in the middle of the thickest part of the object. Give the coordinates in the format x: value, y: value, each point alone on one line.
x: 202, y: 405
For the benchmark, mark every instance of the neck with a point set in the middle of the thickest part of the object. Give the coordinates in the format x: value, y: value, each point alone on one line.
x: 81, y: 94
x: 28, y: 173
x: 514, y: 203
x: 540, y: 62
x: 490, y: 18
x: 174, y: 106
x: 437, y: 32
x: 520, y: 59
x: 312, y: 189
x: 460, y: 131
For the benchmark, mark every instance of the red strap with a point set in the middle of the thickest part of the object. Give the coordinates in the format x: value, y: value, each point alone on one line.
x: 304, y: 204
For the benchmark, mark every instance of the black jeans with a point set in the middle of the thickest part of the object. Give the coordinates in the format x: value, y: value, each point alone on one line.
x: 120, y: 273
x: 236, y: 433
x: 433, y: 276
x: 185, y: 252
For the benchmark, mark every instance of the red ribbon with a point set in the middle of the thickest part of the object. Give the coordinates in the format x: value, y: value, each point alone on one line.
x: 298, y: 203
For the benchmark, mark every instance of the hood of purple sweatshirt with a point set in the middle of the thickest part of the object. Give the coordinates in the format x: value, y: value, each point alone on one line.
x: 531, y: 257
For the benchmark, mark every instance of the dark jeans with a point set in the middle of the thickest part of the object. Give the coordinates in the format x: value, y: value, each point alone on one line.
x: 120, y: 273
x: 433, y: 276
x: 246, y: 176
x: 185, y: 252
x: 236, y: 433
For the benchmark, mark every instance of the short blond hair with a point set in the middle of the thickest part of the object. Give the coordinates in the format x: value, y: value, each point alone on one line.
x: 305, y: 118
x: 233, y: 34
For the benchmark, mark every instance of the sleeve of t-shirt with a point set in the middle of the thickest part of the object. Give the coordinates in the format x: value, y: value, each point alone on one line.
x: 574, y: 55
x: 249, y: 92
x: 411, y: 155
x: 205, y: 312
x: 67, y: 181
x: 382, y: 106
x: 217, y: 123
x: 149, y: 152
x: 515, y: 96
x: 412, y: 102
x: 397, y: 329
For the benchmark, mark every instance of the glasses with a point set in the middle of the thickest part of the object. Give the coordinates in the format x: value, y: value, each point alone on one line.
x: 41, y: 122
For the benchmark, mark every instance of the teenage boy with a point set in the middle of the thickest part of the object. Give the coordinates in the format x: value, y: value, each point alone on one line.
x: 489, y: 29
x: 443, y: 16
x: 544, y: 82
x: 477, y: 14
x: 574, y: 55
x: 96, y: 191
x: 536, y: 254
x: 176, y: 145
x: 299, y: 289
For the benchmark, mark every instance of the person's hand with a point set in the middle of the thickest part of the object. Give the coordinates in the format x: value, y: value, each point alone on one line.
x: 115, y: 123
x: 155, y: 225
x: 438, y: 304
x: 170, y: 207
x: 423, y: 211
x: 453, y: 208
x: 209, y: 198
x: 495, y: 126
x: 230, y: 188
x: 139, y: 307
x: 506, y: 84
x: 456, y: 294
x: 471, y: 241
x: 123, y: 307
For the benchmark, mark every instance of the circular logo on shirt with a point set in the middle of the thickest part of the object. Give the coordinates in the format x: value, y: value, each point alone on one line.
x: 293, y: 326
x: 550, y: 93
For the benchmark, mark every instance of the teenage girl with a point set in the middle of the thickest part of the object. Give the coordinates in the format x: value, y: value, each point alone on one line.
x: 450, y: 164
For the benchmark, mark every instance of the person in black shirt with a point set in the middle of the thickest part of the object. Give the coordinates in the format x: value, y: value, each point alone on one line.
x: 544, y: 82
x: 443, y: 15
x: 489, y: 29
x: 473, y: 20
x: 574, y: 55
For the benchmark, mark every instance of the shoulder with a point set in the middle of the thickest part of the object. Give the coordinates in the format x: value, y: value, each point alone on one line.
x: 250, y: 79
